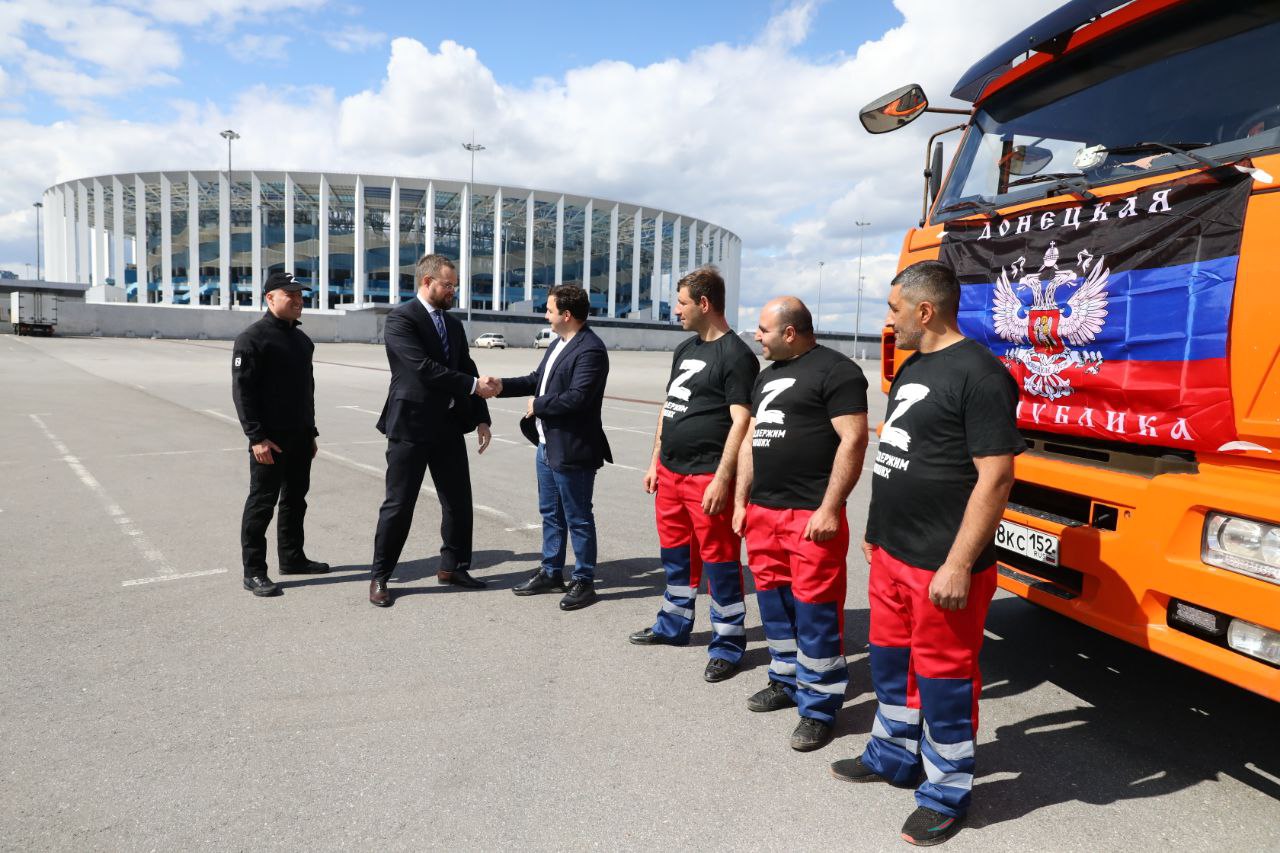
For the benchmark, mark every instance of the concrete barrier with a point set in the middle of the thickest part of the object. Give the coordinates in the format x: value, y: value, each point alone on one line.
x: 365, y: 326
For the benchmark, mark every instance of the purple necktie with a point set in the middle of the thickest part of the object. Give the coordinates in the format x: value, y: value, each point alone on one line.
x: 444, y: 337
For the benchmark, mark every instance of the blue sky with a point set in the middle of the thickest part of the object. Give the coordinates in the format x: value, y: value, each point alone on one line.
x: 519, y: 42
x: 743, y: 113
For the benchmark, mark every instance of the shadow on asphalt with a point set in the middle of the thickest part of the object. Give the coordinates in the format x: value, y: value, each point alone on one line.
x: 1145, y: 726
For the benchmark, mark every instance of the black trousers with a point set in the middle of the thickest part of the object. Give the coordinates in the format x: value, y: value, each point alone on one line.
x: 445, y: 456
x: 286, y: 481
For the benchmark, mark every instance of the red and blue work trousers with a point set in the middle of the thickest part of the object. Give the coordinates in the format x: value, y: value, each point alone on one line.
x: 800, y: 588
x: 924, y: 667
x: 694, y: 543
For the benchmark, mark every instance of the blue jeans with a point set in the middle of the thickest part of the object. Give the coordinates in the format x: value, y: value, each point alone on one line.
x: 564, y: 499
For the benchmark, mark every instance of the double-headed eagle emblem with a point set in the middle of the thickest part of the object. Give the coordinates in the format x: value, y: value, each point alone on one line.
x: 1043, y: 331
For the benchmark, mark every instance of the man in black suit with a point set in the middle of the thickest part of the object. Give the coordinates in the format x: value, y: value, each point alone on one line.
x: 435, y: 398
x: 566, y: 394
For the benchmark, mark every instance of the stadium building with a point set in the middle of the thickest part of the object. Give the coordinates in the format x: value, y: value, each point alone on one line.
x: 211, y: 238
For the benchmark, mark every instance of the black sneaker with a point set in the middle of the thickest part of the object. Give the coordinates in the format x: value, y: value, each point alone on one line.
x: 580, y: 594
x: 853, y: 770
x: 811, y: 734
x: 540, y: 582
x: 261, y: 586
x: 925, y: 827
x: 719, y: 669
x: 309, y: 567
x: 647, y: 637
x: 772, y: 698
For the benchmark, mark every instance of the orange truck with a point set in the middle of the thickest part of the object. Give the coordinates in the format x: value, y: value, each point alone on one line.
x: 1112, y: 210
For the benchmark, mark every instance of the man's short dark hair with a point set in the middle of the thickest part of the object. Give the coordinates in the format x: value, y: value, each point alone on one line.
x: 705, y: 281
x: 571, y: 298
x: 933, y: 282
x: 794, y: 313
x: 432, y: 265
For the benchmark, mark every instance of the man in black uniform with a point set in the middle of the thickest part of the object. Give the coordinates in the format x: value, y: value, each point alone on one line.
x: 274, y: 393
x: 695, y: 457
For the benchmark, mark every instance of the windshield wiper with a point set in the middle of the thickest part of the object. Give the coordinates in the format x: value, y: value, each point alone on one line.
x: 1183, y: 148
x: 970, y: 204
x: 1047, y: 176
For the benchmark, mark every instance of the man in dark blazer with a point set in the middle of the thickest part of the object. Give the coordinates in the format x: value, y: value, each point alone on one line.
x: 566, y: 393
x: 435, y: 398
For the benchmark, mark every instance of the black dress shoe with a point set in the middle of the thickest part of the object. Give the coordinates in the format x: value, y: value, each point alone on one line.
x: 459, y: 577
x: 310, y: 567
x: 379, y: 595
x: 580, y: 594
x: 261, y: 585
x: 811, y: 734
x: 854, y: 770
x: 540, y: 582
x: 719, y: 669
x: 772, y: 698
x: 648, y: 638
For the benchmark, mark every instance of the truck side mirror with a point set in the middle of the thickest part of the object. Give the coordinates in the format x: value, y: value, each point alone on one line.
x: 935, y: 172
x: 899, y: 107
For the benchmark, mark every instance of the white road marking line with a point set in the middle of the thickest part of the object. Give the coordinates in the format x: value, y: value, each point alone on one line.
x: 176, y: 452
x: 218, y: 414
x: 126, y: 525
x: 358, y: 409
x: 141, y: 581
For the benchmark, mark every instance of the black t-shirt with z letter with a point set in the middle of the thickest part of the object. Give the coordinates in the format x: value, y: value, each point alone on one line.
x: 794, y: 445
x: 706, y: 378
x: 945, y: 408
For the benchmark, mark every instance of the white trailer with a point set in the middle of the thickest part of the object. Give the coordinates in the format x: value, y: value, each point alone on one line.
x: 33, y: 313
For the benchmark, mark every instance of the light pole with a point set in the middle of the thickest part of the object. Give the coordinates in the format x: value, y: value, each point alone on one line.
x: 857, y: 323
x: 472, y: 147
x: 817, y: 320
x: 229, y: 135
x: 38, y: 206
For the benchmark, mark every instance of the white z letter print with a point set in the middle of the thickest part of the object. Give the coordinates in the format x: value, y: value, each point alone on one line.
x: 771, y: 390
x: 908, y: 395
x: 690, y: 367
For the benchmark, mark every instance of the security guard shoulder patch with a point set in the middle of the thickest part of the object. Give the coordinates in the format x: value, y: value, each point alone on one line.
x: 236, y: 363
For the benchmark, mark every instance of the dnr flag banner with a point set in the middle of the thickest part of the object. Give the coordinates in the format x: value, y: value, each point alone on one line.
x: 1112, y: 314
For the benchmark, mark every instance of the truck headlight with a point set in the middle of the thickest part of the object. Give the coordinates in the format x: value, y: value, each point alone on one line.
x: 1242, y: 545
x: 1255, y: 641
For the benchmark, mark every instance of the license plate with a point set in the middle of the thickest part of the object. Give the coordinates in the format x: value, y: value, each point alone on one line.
x: 1027, y: 542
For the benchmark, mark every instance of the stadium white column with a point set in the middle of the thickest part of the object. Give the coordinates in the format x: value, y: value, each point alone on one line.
x: 166, y: 238
x: 559, y: 241
x: 357, y: 260
x: 613, y: 261
x: 428, y: 225
x: 323, y: 227
x: 224, y: 240
x: 499, y: 279
x: 693, y: 247
x: 66, y: 269
x: 588, y: 213
x: 655, y: 278
x: 528, y: 249
x: 193, y: 241
x: 117, y: 231
x: 637, y: 250
x: 465, y: 249
x: 141, y: 265
x: 668, y: 291
x: 83, y: 258
x: 255, y: 238
x: 290, y: 252
x: 99, y: 235
x: 393, y: 247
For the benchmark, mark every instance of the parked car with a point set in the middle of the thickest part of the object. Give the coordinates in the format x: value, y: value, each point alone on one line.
x: 491, y: 340
x: 544, y: 339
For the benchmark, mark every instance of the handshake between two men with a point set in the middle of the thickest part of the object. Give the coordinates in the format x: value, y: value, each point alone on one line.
x: 488, y: 386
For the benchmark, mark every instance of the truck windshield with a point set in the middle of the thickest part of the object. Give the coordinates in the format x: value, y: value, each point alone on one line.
x: 1197, y: 85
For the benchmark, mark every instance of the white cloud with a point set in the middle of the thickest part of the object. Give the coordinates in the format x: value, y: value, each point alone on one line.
x: 753, y: 137
x: 354, y: 39
x: 257, y: 47
x: 194, y: 12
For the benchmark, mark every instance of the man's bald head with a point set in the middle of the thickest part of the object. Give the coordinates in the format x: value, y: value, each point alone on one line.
x: 790, y: 311
x: 786, y: 328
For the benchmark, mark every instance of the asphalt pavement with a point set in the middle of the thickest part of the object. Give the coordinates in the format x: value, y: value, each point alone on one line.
x: 150, y: 703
